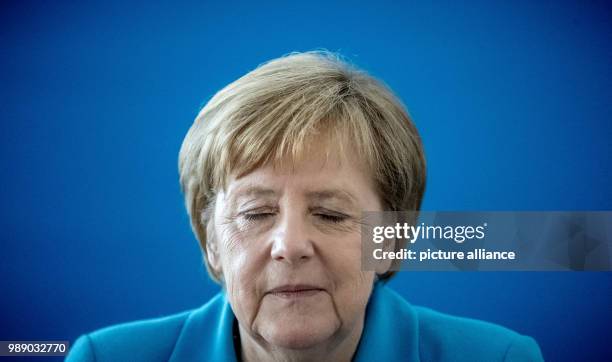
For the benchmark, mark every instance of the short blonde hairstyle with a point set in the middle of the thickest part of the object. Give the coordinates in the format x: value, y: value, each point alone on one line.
x: 277, y: 109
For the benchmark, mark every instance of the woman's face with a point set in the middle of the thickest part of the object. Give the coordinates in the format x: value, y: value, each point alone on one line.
x: 288, y: 246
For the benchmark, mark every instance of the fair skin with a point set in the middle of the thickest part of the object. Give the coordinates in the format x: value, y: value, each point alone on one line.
x: 287, y: 243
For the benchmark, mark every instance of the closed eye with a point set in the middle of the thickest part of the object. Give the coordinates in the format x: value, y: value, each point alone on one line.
x: 333, y: 218
x: 258, y: 216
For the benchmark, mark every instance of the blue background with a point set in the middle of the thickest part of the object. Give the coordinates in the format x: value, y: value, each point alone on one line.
x: 513, y: 102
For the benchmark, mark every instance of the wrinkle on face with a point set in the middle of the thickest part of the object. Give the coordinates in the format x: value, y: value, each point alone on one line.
x: 322, y: 206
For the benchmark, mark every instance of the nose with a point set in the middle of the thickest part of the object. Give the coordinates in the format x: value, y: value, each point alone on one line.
x: 292, y: 242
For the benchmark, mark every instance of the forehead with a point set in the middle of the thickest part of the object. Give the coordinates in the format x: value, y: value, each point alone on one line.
x: 321, y: 174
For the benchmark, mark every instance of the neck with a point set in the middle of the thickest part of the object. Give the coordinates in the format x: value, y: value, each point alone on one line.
x: 340, y: 347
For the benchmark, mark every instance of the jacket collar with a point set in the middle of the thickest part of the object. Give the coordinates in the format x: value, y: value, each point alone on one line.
x: 390, y: 331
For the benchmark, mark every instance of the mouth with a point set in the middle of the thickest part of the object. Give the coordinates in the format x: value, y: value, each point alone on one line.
x: 295, y: 291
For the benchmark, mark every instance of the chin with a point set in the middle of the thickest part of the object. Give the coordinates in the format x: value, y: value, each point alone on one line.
x: 300, y: 335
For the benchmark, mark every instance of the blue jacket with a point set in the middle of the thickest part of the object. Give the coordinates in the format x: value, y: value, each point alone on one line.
x: 394, y: 331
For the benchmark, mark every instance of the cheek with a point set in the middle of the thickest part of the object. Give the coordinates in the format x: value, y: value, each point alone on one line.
x: 352, y: 286
x: 342, y: 256
x: 242, y: 264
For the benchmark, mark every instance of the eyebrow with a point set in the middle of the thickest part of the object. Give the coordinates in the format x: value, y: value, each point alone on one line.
x: 252, y: 190
x: 319, y: 195
x: 333, y: 194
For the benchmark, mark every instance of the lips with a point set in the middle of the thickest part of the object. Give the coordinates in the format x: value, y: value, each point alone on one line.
x: 295, y: 291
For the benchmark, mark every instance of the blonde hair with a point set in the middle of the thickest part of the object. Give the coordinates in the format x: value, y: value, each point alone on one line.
x: 277, y: 109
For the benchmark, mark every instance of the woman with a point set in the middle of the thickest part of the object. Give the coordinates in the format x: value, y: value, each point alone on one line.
x: 276, y: 171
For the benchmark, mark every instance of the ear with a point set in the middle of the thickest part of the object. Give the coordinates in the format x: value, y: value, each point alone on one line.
x: 383, y: 266
x: 374, y: 242
x: 212, y: 248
